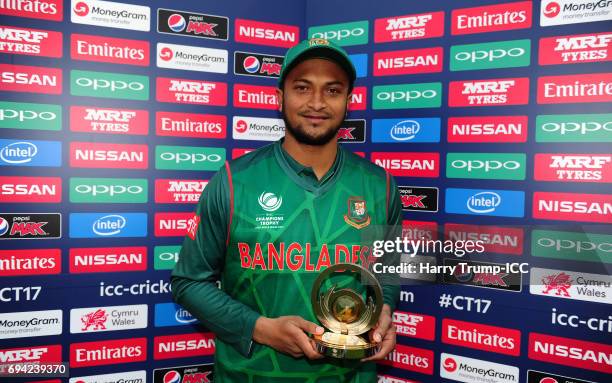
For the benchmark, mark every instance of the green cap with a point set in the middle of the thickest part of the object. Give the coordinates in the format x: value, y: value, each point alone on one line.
x: 317, y: 48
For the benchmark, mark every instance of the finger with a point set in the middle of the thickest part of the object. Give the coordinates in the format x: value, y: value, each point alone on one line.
x: 386, y: 346
x: 307, y: 347
x: 381, y: 328
x: 307, y: 326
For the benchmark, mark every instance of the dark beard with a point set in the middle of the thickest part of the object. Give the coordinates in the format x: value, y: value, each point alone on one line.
x: 303, y: 138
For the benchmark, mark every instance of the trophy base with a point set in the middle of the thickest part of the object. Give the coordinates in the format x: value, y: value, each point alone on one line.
x: 344, y: 346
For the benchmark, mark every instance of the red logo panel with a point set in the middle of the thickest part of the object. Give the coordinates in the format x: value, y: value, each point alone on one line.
x: 34, y: 354
x: 190, y: 125
x: 31, y: 79
x: 183, y: 91
x: 493, y: 92
x: 570, y: 352
x: 358, y: 100
x: 491, y: 129
x: 173, y: 224
x: 255, y: 96
x: 184, y: 345
x: 562, y: 167
x: 481, y: 337
x: 30, y: 262
x: 410, y: 61
x: 178, y: 191
x: 30, y: 42
x: 593, y: 87
x: 40, y: 9
x: 106, y: 155
x: 257, y: 32
x: 491, y: 18
x: 572, y: 207
x: 409, y: 27
x: 496, y: 239
x: 574, y: 49
x: 104, y: 352
x: 411, y: 359
x: 91, y: 119
x: 408, y: 164
x: 415, y: 230
x: 413, y: 325
x: 109, y: 50
x: 107, y: 259
x: 30, y: 189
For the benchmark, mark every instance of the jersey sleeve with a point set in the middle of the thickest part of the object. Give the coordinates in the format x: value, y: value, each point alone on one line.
x: 390, y: 281
x: 201, y: 260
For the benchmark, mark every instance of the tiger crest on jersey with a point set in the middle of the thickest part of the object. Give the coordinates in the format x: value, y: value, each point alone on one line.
x: 357, y: 215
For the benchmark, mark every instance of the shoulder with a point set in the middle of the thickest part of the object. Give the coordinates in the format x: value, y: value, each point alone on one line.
x: 366, y: 167
x: 251, y: 158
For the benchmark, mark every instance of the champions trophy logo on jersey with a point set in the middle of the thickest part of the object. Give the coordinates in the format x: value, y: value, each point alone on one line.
x: 357, y: 215
x: 269, y: 201
x: 557, y: 282
x: 97, y: 319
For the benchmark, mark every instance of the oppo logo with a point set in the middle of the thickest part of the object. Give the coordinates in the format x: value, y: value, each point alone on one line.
x: 340, y: 34
x: 24, y: 115
x: 405, y: 130
x: 18, y: 152
x: 406, y: 95
x: 167, y: 256
x: 189, y: 157
x: 483, y: 202
x: 108, y: 190
x: 109, y: 225
x: 577, y: 246
x: 572, y: 127
x: 485, y: 165
x: 489, y: 55
x: 113, y: 85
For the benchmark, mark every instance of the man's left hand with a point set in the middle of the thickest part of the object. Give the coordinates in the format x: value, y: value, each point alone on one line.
x: 384, y: 334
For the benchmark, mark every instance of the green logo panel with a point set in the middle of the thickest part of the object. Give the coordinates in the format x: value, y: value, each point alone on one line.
x: 22, y: 115
x: 165, y: 257
x: 574, y: 128
x: 586, y: 247
x: 345, y: 34
x: 493, y: 166
x: 188, y: 158
x: 501, y: 54
x: 109, y: 85
x: 108, y: 190
x: 407, y: 96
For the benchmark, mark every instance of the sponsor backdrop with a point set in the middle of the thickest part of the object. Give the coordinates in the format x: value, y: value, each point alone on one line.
x: 494, y: 117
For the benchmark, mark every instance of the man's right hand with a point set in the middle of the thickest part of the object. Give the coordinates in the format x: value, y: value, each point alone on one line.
x: 287, y: 334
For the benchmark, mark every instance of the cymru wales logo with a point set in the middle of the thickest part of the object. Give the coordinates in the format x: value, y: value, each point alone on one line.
x: 357, y: 215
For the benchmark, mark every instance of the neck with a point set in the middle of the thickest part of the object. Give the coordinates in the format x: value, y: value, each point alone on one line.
x: 320, y: 157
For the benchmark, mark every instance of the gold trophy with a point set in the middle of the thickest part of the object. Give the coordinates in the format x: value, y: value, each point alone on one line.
x: 345, y: 313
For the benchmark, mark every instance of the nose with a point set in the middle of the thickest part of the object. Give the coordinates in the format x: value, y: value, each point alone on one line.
x: 317, y: 101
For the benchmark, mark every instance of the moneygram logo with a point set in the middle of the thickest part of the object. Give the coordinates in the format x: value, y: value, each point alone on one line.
x: 181, y: 91
x: 491, y: 18
x: 404, y: 96
x: 184, y: 345
x: 501, y: 54
x: 592, y: 87
x: 411, y: 61
x: 573, y: 285
x: 104, y: 225
x: 122, y: 377
x: 561, y: 12
x: 30, y: 262
x: 586, y: 247
x: 173, y: 56
x: 573, y: 167
x: 35, y: 354
x: 40, y: 9
x: 259, y: 129
x: 572, y: 207
x: 406, y: 164
x: 413, y: 325
x: 574, y: 128
x: 255, y: 64
x: 110, y: 14
x: 30, y: 189
x: 109, y: 50
x: 503, y: 129
x: 345, y: 34
x: 30, y: 226
x: 410, y: 359
x: 462, y: 369
x: 107, y: 155
x: 501, y: 203
x: 30, y: 42
x: 107, y: 352
x: 495, y: 239
x: 575, y: 49
x: 109, y: 85
x: 481, y: 337
x: 502, y: 91
x: 188, y: 158
x: 171, y: 314
x: 409, y: 27
x: 257, y: 32
x: 30, y: 153
x: 192, y: 24
x: 570, y: 352
x: 190, y: 125
x: 19, y: 115
x: 31, y: 323
x: 107, y: 259
x: 108, y: 190
x: 496, y: 166
x: 178, y: 191
x: 111, y: 318
x: 30, y: 79
x: 91, y: 119
x: 255, y: 96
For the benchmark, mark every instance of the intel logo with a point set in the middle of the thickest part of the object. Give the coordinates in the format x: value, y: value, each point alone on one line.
x: 109, y: 225
x: 18, y: 152
x: 405, y: 130
x: 183, y: 316
x: 483, y: 202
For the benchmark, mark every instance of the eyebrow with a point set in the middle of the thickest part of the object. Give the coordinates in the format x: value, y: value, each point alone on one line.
x: 335, y: 82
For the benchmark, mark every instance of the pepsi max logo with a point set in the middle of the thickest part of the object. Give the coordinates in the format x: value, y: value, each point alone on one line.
x: 192, y: 24
x: 176, y: 22
x: 172, y: 377
x: 199, y: 373
x: 255, y: 64
x: 4, y: 226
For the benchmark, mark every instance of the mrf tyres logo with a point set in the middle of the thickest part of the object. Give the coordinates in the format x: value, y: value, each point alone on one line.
x: 573, y: 167
x: 178, y: 191
x: 414, y: 198
x: 409, y: 27
x: 30, y: 42
x: 183, y: 91
x: 110, y: 14
x: 501, y: 91
x: 574, y: 49
x: 90, y: 119
x: 30, y: 226
x: 256, y: 64
x: 192, y: 24
x: 200, y: 373
x: 571, y: 285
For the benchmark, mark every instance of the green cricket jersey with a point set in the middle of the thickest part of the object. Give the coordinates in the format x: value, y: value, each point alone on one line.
x: 267, y: 227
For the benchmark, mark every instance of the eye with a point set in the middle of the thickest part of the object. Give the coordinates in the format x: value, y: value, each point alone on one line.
x: 333, y: 91
x: 301, y: 88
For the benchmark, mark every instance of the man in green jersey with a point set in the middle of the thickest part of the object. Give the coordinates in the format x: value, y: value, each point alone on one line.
x: 270, y: 221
